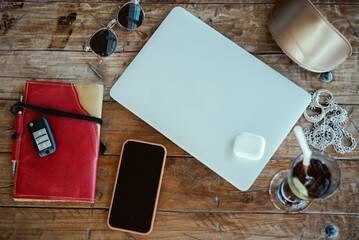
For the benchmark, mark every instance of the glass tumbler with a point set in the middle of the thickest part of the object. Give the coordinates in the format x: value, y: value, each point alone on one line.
x: 294, y: 190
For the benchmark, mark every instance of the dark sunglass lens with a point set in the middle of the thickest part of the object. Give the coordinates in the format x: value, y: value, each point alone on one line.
x: 103, y: 42
x: 130, y: 16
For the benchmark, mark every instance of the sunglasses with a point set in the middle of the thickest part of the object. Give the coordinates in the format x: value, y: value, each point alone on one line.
x: 103, y: 42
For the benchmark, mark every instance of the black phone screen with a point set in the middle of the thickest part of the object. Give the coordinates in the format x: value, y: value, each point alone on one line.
x: 136, y: 187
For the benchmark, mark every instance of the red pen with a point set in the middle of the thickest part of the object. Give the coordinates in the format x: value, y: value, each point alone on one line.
x: 15, y: 138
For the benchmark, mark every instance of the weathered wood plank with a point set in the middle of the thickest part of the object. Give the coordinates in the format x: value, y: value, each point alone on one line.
x: 68, y: 25
x: 91, y: 224
x: 120, y: 125
x: 11, y: 5
x: 17, y: 67
x: 188, y: 185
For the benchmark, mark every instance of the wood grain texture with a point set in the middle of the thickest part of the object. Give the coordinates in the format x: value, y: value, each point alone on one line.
x: 91, y: 224
x: 188, y: 185
x: 120, y: 125
x: 217, y: 2
x: 66, y: 26
x: 17, y: 67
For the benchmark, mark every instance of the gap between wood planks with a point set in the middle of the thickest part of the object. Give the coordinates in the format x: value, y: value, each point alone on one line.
x: 189, y: 156
x: 176, y: 3
x: 82, y: 51
x: 109, y: 101
x: 164, y: 210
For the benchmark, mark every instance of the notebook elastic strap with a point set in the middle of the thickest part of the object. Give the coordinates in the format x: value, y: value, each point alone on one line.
x: 55, y: 112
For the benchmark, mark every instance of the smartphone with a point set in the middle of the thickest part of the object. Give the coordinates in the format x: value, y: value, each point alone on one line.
x: 137, y: 187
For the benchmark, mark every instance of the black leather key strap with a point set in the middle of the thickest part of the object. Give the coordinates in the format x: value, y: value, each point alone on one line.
x: 55, y: 112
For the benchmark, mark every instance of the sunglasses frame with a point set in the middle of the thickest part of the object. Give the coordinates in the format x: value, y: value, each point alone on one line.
x: 109, y: 27
x: 137, y: 2
x: 88, y: 46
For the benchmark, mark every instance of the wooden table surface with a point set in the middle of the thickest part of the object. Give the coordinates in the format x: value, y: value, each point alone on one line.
x: 195, y: 203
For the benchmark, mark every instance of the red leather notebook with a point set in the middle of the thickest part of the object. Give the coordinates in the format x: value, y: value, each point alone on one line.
x: 69, y: 174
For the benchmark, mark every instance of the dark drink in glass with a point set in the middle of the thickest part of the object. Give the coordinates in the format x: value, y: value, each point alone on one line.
x: 293, y: 192
x: 312, y: 181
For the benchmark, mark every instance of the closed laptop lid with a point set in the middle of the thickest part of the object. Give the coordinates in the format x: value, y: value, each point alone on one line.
x: 211, y: 97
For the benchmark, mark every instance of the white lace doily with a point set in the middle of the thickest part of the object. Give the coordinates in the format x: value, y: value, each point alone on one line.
x: 328, y: 124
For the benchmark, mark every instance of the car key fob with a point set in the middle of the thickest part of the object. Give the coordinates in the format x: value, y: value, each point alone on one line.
x: 41, y: 136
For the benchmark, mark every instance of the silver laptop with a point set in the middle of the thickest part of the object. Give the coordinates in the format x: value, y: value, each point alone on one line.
x: 211, y: 97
